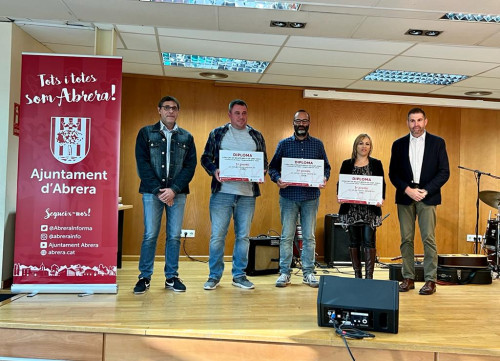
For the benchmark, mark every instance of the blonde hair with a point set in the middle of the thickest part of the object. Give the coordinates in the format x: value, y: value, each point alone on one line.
x: 355, y: 145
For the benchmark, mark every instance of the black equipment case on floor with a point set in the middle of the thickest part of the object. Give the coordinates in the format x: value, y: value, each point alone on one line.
x: 480, y: 276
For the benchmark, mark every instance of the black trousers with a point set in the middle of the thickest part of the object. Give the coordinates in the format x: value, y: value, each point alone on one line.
x: 362, y: 234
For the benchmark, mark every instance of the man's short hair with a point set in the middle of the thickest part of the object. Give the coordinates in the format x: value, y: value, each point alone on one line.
x: 416, y: 111
x: 237, y: 102
x: 303, y: 111
x: 169, y: 98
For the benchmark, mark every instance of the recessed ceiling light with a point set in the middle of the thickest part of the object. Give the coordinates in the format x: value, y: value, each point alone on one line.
x: 414, y: 77
x: 255, y: 4
x: 212, y: 75
x: 478, y: 93
x: 297, y: 25
x: 214, y: 63
x: 418, y: 32
x: 278, y: 24
x: 484, y: 18
x: 286, y: 24
x: 432, y: 33
x: 414, y: 32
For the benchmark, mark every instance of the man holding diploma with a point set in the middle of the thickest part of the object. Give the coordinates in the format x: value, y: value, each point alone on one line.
x: 231, y: 198
x: 298, y: 201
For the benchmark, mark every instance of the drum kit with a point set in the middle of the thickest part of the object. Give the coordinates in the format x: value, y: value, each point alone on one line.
x: 491, y: 239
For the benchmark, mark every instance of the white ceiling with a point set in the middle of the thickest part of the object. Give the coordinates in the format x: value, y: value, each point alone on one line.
x: 341, y: 43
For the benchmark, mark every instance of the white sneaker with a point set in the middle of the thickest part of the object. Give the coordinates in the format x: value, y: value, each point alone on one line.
x: 283, y: 280
x: 311, y: 280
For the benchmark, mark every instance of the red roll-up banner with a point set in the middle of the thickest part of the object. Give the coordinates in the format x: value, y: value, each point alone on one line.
x: 67, y: 188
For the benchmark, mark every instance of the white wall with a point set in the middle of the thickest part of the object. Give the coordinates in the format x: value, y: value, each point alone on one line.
x: 13, y: 41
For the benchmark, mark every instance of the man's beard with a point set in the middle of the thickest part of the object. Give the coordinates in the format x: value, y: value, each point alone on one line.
x: 301, y: 130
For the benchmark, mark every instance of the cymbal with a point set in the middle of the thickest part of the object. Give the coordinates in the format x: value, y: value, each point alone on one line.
x: 491, y: 198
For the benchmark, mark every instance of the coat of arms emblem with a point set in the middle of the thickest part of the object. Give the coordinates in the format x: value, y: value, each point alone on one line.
x: 70, y: 139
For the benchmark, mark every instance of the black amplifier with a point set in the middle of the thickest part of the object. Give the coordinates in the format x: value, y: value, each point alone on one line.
x: 263, y: 255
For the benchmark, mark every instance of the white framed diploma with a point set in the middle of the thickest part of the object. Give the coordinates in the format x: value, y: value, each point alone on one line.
x: 360, y: 189
x: 303, y: 172
x: 241, y: 166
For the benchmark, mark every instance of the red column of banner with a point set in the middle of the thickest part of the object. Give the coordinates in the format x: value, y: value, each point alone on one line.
x: 67, y: 195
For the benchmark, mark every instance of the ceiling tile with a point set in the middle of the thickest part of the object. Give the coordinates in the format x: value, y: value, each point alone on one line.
x: 353, y: 45
x: 317, y: 71
x: 473, y: 53
x: 218, y: 48
x: 331, y: 58
x: 437, y: 65
x: 229, y: 36
x: 137, y: 29
x: 304, y: 81
x: 138, y: 56
x: 139, y: 41
x: 147, y: 69
x: 56, y: 35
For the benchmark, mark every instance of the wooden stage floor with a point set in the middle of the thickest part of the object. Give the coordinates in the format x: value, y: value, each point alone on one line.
x: 459, y: 323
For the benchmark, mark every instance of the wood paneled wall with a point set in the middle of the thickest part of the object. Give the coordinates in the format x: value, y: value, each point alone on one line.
x: 472, y: 137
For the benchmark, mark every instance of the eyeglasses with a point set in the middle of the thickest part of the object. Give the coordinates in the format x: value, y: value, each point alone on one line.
x: 167, y: 108
x: 301, y: 121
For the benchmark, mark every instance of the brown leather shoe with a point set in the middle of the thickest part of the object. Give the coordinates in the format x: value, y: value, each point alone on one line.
x: 428, y: 288
x: 406, y: 285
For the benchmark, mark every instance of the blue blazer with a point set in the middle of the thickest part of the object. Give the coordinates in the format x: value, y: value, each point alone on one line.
x: 435, y: 169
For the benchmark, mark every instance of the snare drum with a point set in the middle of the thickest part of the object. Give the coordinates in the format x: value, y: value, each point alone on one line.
x: 490, y: 237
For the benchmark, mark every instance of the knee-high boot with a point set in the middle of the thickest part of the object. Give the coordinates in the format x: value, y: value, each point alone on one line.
x: 356, y: 261
x: 370, y: 255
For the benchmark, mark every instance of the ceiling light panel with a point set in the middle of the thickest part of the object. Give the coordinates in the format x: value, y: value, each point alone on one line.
x: 398, y: 76
x: 479, y: 18
x: 214, y: 63
x: 255, y: 4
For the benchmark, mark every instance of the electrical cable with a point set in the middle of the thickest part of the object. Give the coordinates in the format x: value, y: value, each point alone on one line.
x: 347, y: 331
x: 187, y: 254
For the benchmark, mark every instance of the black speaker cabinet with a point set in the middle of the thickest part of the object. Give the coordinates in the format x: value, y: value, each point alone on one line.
x: 366, y: 304
x: 336, y: 241
x: 263, y: 256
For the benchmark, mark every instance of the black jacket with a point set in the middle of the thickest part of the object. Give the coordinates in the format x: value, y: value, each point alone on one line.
x: 435, y: 169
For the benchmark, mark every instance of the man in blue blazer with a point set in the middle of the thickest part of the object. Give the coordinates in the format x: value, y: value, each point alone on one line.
x: 418, y: 169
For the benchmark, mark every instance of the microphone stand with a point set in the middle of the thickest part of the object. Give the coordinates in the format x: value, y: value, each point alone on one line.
x: 477, y: 174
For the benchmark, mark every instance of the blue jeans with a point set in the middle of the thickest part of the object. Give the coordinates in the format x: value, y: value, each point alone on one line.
x: 222, y: 207
x: 153, y: 212
x: 290, y: 211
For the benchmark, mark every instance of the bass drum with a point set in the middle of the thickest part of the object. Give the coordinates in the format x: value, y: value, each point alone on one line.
x: 490, y: 238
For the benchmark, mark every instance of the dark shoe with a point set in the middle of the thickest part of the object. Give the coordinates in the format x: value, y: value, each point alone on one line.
x: 406, y: 285
x: 370, y: 257
x: 175, y: 284
x: 356, y: 261
x: 428, y: 288
x: 141, y: 286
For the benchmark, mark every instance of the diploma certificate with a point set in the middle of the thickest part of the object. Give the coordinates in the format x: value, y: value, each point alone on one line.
x: 360, y: 189
x: 303, y: 172
x: 241, y: 166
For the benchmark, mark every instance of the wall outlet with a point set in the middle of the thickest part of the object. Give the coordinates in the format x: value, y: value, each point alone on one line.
x: 188, y: 233
x: 471, y: 237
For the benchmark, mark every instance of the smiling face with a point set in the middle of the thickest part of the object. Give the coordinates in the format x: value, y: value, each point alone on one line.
x: 416, y: 124
x: 238, y: 116
x: 169, y: 111
x: 364, y: 147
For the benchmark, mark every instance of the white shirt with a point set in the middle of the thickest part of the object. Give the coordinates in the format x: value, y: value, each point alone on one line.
x: 416, y: 153
x: 168, y: 134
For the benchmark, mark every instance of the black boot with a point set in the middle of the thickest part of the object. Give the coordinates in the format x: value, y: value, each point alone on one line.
x: 356, y: 261
x: 370, y: 255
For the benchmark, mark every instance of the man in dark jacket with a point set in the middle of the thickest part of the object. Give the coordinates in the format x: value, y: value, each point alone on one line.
x: 166, y: 160
x: 418, y: 169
